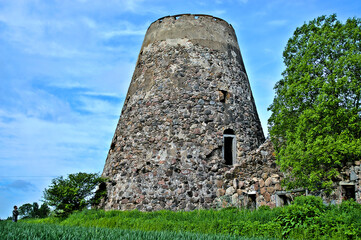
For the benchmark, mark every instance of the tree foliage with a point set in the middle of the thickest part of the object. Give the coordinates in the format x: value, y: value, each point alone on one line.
x: 73, y: 193
x: 316, y: 113
x: 28, y: 210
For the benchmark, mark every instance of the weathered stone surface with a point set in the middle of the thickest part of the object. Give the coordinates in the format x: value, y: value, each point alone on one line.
x: 268, y: 182
x: 235, y: 183
x: 230, y: 190
x: 267, y: 196
x: 270, y: 189
x: 219, y: 183
x: 220, y: 192
x: 353, y: 176
x: 235, y: 198
x: 188, y: 87
x: 261, y: 183
x: 264, y: 176
x: 274, y: 180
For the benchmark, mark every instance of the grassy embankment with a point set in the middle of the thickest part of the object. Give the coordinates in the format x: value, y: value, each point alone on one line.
x: 307, y: 218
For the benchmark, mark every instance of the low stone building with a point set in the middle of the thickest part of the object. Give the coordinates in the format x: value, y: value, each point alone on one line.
x: 256, y: 182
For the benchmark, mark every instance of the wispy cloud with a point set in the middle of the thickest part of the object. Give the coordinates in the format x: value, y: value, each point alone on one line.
x: 58, y: 33
x: 18, y: 185
x: 277, y: 23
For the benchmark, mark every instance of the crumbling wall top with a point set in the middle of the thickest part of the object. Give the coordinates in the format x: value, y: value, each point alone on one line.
x: 205, y: 30
x: 195, y: 16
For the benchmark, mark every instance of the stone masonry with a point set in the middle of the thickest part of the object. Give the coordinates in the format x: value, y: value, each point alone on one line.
x: 189, y: 136
x: 189, y: 94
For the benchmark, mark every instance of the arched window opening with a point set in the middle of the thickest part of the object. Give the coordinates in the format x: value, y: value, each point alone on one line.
x: 228, y: 131
x: 229, y: 146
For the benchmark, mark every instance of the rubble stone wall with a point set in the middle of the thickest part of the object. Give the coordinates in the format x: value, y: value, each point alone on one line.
x: 189, y: 89
x: 189, y: 86
x: 256, y: 181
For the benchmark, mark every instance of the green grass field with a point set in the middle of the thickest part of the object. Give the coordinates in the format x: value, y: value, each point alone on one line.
x: 33, y: 231
x: 306, y: 218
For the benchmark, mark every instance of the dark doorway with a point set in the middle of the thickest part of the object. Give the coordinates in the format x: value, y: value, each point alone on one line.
x: 348, y: 192
x: 282, y: 199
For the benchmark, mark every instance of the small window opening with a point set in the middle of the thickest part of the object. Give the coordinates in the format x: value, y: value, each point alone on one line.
x: 223, y: 95
x: 229, y: 147
x: 112, y: 146
x: 251, y: 203
x: 282, y: 199
x: 196, y: 17
x: 348, y: 192
x: 176, y: 18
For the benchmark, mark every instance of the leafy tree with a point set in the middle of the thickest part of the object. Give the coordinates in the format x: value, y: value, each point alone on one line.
x: 316, y: 113
x: 73, y: 193
x: 43, y: 211
x: 35, y: 212
x: 28, y: 210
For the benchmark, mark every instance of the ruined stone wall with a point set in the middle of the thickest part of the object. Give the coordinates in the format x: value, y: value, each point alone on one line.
x: 256, y: 181
x: 188, y: 87
x: 347, y: 186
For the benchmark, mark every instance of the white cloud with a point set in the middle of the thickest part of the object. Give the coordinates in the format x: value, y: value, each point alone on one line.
x: 101, y: 94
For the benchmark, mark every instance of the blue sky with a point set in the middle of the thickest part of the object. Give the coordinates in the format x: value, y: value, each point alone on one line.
x: 65, y: 67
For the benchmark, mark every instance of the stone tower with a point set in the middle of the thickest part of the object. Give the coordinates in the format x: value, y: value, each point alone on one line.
x: 188, y: 117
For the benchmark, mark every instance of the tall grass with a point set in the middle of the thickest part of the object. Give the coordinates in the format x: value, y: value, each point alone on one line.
x: 227, y: 221
x: 307, y: 218
x: 32, y: 231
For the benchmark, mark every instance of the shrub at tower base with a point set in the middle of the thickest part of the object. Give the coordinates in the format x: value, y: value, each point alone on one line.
x: 316, y: 114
